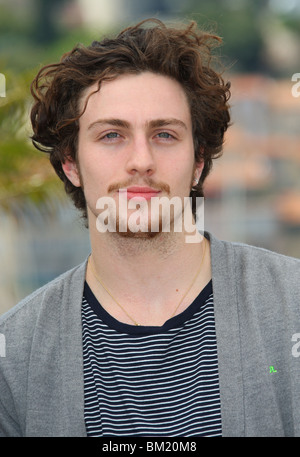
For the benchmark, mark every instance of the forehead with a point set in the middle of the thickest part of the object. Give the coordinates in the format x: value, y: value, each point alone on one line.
x: 136, y: 98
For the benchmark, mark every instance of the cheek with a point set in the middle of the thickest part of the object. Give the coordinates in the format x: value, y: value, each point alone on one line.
x: 90, y: 178
x: 97, y: 177
x: 181, y: 180
x: 184, y: 168
x: 89, y: 166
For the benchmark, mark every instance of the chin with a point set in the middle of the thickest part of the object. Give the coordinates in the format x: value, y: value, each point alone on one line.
x: 138, y: 235
x: 144, y: 233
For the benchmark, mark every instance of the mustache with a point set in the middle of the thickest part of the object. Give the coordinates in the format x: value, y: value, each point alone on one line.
x: 160, y: 186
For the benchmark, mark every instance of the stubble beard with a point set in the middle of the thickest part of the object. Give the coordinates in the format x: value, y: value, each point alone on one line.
x: 148, y: 236
x: 123, y: 220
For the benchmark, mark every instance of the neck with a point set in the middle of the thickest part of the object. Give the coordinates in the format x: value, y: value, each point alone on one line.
x: 151, y: 274
x: 132, y: 253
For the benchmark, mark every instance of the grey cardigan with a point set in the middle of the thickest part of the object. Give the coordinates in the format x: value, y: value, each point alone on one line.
x: 257, y: 304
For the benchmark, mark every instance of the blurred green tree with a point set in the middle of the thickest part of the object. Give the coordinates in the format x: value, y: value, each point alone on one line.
x: 25, y: 173
x: 237, y: 22
x: 243, y: 25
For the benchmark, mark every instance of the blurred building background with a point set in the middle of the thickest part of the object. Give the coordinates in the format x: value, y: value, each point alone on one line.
x: 253, y: 193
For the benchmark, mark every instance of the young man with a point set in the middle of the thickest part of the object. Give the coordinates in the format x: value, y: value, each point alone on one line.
x: 153, y: 335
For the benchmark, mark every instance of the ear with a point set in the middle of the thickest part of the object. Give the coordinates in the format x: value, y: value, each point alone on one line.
x: 198, y: 169
x: 71, y: 171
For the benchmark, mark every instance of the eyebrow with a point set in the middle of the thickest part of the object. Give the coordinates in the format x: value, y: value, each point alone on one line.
x: 155, y: 123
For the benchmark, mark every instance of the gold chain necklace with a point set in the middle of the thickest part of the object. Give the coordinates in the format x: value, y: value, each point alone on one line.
x: 124, y: 310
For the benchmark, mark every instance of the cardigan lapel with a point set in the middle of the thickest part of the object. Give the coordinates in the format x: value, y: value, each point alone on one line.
x: 228, y: 337
x: 72, y: 355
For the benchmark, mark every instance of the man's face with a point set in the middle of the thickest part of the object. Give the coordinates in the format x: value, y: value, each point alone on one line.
x: 135, y: 135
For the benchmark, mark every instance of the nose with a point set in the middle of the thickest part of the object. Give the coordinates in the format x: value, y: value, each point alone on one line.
x: 140, y: 157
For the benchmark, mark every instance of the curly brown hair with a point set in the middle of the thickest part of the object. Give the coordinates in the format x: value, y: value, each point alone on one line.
x: 182, y: 52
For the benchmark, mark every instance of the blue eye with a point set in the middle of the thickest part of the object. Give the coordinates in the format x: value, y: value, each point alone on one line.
x: 112, y: 135
x: 165, y: 135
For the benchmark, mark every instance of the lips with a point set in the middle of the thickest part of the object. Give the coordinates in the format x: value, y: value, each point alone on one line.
x: 140, y: 192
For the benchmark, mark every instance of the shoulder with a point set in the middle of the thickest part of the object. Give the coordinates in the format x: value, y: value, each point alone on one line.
x: 255, y: 263
x: 246, y: 252
x: 258, y: 285
x: 263, y: 259
x: 36, y: 335
x: 44, y: 300
x: 259, y: 254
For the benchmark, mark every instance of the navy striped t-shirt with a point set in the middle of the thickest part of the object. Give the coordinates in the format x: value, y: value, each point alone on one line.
x: 151, y: 381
